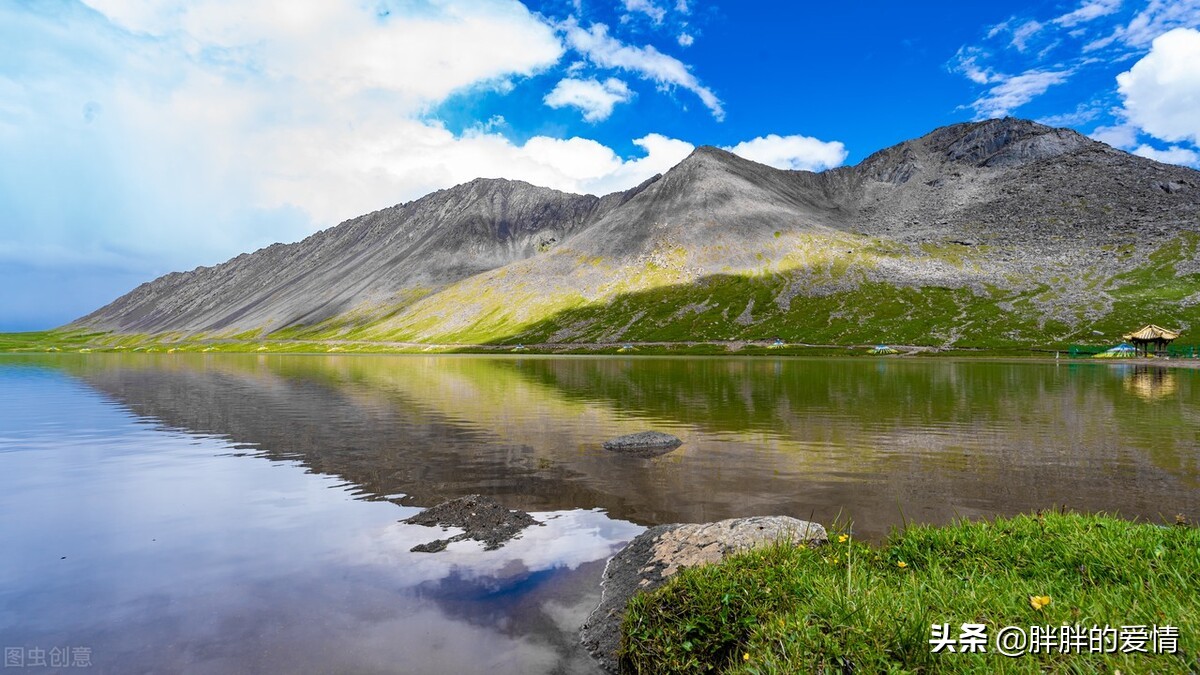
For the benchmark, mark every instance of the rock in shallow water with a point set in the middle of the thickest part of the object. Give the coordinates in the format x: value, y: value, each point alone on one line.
x: 483, y: 518
x: 658, y: 553
x: 643, y: 443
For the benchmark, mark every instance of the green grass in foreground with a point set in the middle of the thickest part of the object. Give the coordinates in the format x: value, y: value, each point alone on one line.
x: 850, y: 607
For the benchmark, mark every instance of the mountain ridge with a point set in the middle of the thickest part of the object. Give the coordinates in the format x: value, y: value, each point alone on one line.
x: 995, y: 208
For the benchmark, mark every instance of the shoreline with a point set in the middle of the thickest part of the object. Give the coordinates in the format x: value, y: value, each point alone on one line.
x: 44, y: 343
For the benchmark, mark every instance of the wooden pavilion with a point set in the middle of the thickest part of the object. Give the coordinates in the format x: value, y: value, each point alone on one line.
x: 1151, y: 335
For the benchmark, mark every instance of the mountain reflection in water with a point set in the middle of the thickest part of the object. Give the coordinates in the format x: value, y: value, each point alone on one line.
x: 141, y: 521
x: 162, y: 550
x: 875, y: 441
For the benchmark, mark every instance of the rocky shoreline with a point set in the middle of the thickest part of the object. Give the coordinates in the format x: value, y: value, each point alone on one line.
x: 657, y: 554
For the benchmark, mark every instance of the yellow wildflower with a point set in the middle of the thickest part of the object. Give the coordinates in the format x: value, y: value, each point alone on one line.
x: 1039, y: 601
x: 901, y: 564
x: 746, y: 656
x: 842, y: 538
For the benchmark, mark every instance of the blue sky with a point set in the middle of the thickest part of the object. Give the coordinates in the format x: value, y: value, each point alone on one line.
x: 146, y: 136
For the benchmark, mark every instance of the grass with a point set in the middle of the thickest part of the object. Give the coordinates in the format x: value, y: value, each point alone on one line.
x: 854, y: 607
x: 47, y: 341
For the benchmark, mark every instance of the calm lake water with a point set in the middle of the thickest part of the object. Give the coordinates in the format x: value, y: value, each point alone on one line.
x: 239, y: 513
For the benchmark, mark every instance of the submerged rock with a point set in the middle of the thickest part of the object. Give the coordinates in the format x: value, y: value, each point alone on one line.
x: 658, y: 553
x: 643, y: 444
x: 483, y: 518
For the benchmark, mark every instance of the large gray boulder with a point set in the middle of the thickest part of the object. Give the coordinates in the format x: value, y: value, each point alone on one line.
x: 643, y: 444
x: 659, y: 553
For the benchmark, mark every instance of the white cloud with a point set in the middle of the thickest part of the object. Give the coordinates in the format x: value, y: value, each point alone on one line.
x: 151, y: 136
x: 1000, y: 27
x: 1158, y: 17
x: 1023, y: 33
x: 1121, y: 136
x: 344, y: 50
x: 164, y: 134
x: 682, y: 7
x: 1082, y: 114
x: 575, y: 164
x: 1089, y: 10
x: 607, y: 52
x: 662, y: 153
x: 792, y: 152
x: 592, y: 97
x: 1161, y: 92
x: 967, y: 62
x: 245, y: 110
x: 1012, y: 92
x: 1172, y: 155
x: 387, y: 163
x: 647, y: 7
x: 685, y: 40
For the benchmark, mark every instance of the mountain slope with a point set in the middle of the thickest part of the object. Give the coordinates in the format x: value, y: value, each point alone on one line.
x: 998, y: 232
x: 381, y: 259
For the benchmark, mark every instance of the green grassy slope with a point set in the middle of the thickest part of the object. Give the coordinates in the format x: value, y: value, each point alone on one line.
x: 847, y: 607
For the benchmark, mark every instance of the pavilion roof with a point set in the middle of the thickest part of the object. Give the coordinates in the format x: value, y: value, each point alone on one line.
x: 1150, y: 332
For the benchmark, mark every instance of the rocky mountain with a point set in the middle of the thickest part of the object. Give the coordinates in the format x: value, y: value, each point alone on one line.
x: 989, y: 233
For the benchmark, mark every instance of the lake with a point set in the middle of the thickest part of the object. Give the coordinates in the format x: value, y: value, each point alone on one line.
x: 240, y: 513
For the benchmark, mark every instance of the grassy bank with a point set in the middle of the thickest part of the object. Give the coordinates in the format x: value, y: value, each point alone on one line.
x: 254, y: 342
x: 851, y: 607
x: 78, y: 341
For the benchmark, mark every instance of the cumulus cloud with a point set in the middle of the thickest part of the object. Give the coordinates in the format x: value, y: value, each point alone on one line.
x: 792, y: 152
x: 593, y: 98
x: 1172, y: 155
x: 661, y: 153
x: 1161, y: 92
x: 344, y: 50
x: 647, y: 62
x: 685, y: 40
x: 148, y: 136
x: 1121, y: 136
x: 392, y: 162
x: 204, y: 108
